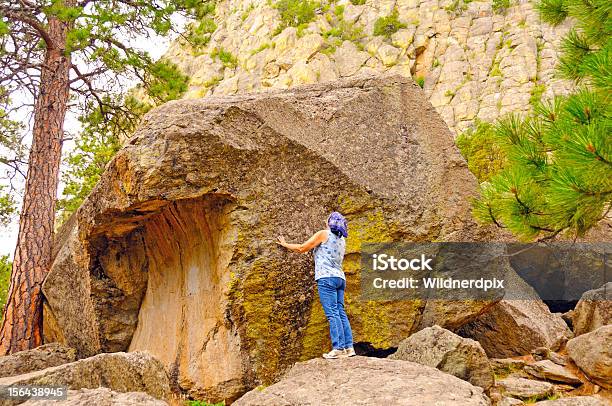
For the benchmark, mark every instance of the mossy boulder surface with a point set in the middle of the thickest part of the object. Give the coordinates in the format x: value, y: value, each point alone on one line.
x: 174, y: 251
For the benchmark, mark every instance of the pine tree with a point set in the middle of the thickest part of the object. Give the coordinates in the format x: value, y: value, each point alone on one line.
x: 55, y: 51
x: 558, y: 174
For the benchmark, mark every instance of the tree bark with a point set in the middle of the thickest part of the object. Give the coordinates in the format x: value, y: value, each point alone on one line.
x: 22, y: 325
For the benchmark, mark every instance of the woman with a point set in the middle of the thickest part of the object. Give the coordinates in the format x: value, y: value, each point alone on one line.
x: 329, y: 246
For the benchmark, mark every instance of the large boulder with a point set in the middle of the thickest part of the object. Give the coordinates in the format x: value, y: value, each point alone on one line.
x: 185, y: 217
x: 45, y: 356
x: 518, y: 324
x: 592, y: 352
x: 525, y: 388
x: 122, y: 372
x: 448, y: 352
x: 365, y: 381
x: 103, y: 397
x: 548, y: 370
x: 593, y: 310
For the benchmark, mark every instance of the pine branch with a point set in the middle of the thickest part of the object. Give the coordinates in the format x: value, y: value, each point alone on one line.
x: 31, y: 21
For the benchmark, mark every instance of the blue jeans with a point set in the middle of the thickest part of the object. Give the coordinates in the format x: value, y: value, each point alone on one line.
x: 331, y: 294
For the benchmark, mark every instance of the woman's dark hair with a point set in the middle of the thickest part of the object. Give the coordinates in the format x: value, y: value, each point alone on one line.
x: 337, y: 233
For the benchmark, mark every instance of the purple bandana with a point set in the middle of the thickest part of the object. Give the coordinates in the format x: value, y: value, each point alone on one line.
x: 337, y: 224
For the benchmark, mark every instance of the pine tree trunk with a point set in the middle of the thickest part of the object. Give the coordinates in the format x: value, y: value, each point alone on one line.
x: 22, y: 325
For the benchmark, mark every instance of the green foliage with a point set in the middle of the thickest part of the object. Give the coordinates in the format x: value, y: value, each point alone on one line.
x: 5, y: 280
x: 343, y: 30
x: 8, y: 206
x: 202, y: 403
x: 389, y: 25
x: 226, y: 57
x: 247, y: 12
x: 495, y: 69
x: 500, y: 6
x: 559, y: 171
x: 457, y: 6
x: 552, y: 11
x: 558, y: 174
x: 485, y: 159
x: 261, y: 48
x: 12, y: 155
x: 198, y: 34
x: 358, y: 2
x: 294, y: 13
x: 536, y: 94
x: 420, y: 80
x: 95, y: 146
x: 165, y: 81
x: 214, y: 81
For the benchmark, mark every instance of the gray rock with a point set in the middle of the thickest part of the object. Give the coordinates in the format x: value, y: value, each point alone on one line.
x: 507, y: 401
x: 103, y: 397
x: 517, y: 324
x: 592, y: 352
x: 542, y: 353
x: 122, y: 372
x: 525, y: 388
x: 548, y: 370
x: 594, y: 309
x: 439, y: 348
x: 45, y: 356
x: 366, y: 381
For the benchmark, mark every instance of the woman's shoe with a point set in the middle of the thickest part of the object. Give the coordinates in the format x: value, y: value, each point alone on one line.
x: 349, y: 352
x: 333, y: 354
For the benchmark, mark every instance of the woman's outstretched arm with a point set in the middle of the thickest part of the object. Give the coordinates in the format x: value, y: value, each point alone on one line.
x: 312, y: 242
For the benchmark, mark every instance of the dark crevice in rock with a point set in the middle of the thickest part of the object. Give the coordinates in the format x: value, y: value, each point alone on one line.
x: 561, y: 306
x: 368, y: 350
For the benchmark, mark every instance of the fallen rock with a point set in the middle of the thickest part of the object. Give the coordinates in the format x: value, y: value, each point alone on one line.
x: 507, y: 401
x: 104, y: 397
x: 439, y: 348
x: 185, y: 215
x: 365, y: 381
x: 594, y: 309
x: 525, y: 388
x: 543, y: 353
x: 592, y: 352
x: 122, y: 372
x: 574, y: 401
x: 517, y: 324
x: 45, y: 356
x: 548, y: 370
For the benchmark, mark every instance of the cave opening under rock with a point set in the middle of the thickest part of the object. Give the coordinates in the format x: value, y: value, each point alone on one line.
x: 172, y: 271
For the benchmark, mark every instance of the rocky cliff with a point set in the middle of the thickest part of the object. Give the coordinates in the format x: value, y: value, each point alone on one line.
x: 474, y: 61
x: 174, y: 253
